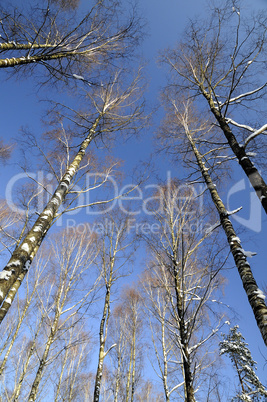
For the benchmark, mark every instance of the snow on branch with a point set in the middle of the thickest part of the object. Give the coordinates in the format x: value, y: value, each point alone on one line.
x: 238, y: 98
x: 213, y: 227
x: 234, y: 123
x: 255, y: 133
x: 5, y: 275
x: 246, y: 253
x: 194, y: 347
x: 234, y: 211
x: 78, y: 77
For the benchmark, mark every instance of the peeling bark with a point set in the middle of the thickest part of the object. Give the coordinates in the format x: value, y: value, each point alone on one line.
x: 24, y: 46
x: 18, y: 61
x: 249, y: 283
x: 21, y: 259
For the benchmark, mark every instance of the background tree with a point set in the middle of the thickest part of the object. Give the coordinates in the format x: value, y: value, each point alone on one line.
x: 179, y: 285
x: 5, y: 151
x: 126, y: 333
x: 56, y: 338
x: 132, y: 301
x: 233, y: 345
x: 115, y: 250
x: 118, y: 355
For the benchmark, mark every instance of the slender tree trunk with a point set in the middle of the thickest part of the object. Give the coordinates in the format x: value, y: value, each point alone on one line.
x: 20, y: 261
x: 239, y: 375
x: 16, y: 394
x: 21, y: 318
x: 117, y: 384
x: 247, y: 165
x: 43, y: 361
x: 165, y: 362
x: 134, y: 357
x: 102, y: 337
x: 129, y: 377
x: 188, y: 377
x: 65, y: 361
x: 254, y: 297
x: 73, y: 378
x: 58, y: 311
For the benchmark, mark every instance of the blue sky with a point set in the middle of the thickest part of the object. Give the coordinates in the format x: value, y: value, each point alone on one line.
x: 166, y: 20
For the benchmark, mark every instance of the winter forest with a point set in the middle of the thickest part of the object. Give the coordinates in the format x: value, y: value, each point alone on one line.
x: 133, y: 201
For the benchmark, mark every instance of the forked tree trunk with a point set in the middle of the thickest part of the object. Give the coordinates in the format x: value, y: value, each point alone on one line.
x: 253, y: 293
x: 21, y: 259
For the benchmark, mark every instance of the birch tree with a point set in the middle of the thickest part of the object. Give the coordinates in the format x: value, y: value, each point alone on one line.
x: 222, y: 62
x: 126, y: 325
x: 179, y: 286
x: 28, y: 348
x: 62, y: 304
x: 66, y: 42
x: 133, y: 302
x: 114, y: 109
x: 191, y: 130
x: 115, y: 250
x: 72, y: 367
x: 118, y: 354
x: 74, y: 255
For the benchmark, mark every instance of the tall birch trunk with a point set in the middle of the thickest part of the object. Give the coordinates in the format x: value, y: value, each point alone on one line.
x: 249, y: 283
x: 21, y: 259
